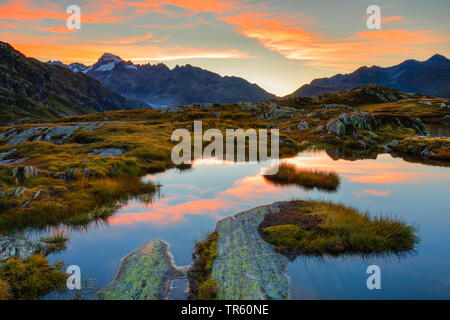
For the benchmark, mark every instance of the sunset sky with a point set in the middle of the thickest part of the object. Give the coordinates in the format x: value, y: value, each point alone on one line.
x: 278, y: 44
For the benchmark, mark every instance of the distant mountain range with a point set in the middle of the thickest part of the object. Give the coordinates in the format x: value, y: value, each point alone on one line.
x: 158, y: 85
x: 430, y: 77
x: 35, y: 90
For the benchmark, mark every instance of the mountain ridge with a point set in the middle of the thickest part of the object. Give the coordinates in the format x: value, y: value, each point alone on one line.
x: 36, y: 90
x: 158, y: 85
x: 431, y: 77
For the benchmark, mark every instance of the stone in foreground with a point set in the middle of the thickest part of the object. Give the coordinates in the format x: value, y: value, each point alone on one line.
x: 144, y: 274
x: 246, y: 266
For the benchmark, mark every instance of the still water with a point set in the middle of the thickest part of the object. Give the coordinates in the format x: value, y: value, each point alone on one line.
x: 191, y: 202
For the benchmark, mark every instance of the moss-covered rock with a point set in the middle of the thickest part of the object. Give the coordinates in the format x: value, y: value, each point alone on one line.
x: 247, y: 267
x: 144, y: 274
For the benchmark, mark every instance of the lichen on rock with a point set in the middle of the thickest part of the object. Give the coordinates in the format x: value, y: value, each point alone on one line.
x: 144, y: 274
x: 247, y: 267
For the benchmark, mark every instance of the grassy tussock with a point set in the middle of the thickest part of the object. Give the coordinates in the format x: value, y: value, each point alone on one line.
x: 337, y: 229
x: 30, y: 279
x: 57, y: 242
x: 289, y: 174
x: 208, y: 290
x: 202, y: 287
x: 76, y: 203
x: 5, y: 290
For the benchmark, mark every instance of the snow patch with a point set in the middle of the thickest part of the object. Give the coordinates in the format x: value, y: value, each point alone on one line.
x: 107, y: 67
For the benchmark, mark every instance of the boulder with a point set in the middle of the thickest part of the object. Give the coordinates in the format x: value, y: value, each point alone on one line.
x: 359, y: 120
x: 391, y: 145
x: 20, y: 248
x: 144, y: 274
x: 303, y: 125
x: 29, y: 171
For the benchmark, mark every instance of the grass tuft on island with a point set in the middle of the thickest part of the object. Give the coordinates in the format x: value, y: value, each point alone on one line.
x: 289, y: 174
x: 57, y: 242
x: 317, y: 228
x: 202, y: 287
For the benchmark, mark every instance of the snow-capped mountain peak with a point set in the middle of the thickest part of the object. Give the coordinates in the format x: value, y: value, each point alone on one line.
x: 107, y: 62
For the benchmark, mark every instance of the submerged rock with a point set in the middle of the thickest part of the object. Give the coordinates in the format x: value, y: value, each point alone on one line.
x: 246, y: 266
x: 144, y: 274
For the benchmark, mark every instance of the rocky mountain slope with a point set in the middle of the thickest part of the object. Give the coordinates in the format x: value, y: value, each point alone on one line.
x: 431, y: 77
x: 32, y: 90
x: 158, y: 85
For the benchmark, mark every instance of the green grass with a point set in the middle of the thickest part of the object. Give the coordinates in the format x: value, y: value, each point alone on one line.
x: 203, y: 287
x: 208, y: 289
x: 317, y: 228
x: 289, y: 174
x: 57, y: 241
x: 30, y: 279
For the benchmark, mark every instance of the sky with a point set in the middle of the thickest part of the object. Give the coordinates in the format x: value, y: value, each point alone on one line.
x: 277, y: 44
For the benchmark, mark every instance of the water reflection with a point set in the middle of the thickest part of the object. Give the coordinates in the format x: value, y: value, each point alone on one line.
x: 191, y: 201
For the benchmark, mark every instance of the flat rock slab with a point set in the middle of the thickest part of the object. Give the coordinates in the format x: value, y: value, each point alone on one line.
x: 110, y: 152
x: 144, y: 274
x: 246, y: 266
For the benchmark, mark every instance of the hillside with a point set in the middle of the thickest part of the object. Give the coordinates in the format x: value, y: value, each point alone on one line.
x: 31, y: 90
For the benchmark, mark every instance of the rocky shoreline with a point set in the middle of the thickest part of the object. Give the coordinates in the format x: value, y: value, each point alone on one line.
x: 246, y: 267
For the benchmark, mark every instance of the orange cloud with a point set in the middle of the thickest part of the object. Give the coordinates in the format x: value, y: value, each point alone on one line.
x: 393, y: 18
x: 293, y: 36
x: 19, y: 10
x: 283, y: 34
x: 8, y: 25
x: 213, y: 6
x: 93, y: 12
x: 60, y: 30
x: 51, y: 49
x: 130, y: 40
